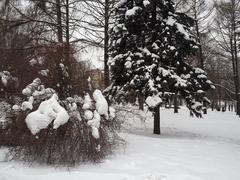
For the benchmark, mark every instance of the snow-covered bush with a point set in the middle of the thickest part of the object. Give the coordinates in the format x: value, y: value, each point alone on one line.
x: 45, y: 129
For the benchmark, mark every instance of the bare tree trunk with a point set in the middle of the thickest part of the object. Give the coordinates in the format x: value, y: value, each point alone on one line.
x: 236, y: 64
x: 156, y: 128
x: 59, y: 21
x: 67, y: 52
x: 63, y: 63
x: 235, y: 67
x: 200, y: 51
x: 67, y: 23
x: 60, y: 52
x: 141, y: 102
x: 237, y: 96
x: 200, y: 56
x: 212, y: 105
x: 175, y: 103
x: 106, y: 44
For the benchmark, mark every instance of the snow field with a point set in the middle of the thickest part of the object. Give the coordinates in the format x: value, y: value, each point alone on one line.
x: 188, y: 149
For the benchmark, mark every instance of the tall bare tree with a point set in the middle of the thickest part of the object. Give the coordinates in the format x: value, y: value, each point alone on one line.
x: 201, y: 12
x: 226, y: 34
x: 99, y: 13
x: 52, y: 25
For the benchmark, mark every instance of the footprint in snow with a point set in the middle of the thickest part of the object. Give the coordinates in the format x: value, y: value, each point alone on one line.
x: 155, y: 177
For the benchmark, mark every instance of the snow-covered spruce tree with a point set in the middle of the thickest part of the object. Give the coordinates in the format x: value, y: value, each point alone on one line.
x: 149, y: 45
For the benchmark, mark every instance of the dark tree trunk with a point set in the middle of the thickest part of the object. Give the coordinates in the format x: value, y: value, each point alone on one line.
x: 61, y: 82
x: 237, y: 95
x: 235, y: 74
x: 141, y: 102
x: 175, y: 103
x: 212, y: 105
x: 201, y: 58
x: 67, y: 23
x: 236, y: 66
x: 205, y: 110
x: 156, y: 128
x: 64, y: 87
x: 106, y: 44
x: 200, y: 53
x: 59, y: 21
x: 236, y: 83
x: 67, y: 53
x: 153, y: 20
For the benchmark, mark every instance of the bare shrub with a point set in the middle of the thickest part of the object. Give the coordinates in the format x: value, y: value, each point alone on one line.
x: 71, y: 144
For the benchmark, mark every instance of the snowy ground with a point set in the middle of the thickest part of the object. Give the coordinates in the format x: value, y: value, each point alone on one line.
x: 188, y: 149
